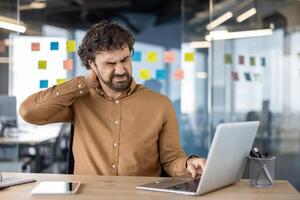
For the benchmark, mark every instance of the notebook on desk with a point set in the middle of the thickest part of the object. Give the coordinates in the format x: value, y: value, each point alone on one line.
x: 11, y: 181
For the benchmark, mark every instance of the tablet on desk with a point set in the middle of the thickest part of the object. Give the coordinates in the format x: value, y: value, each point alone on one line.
x: 56, y: 187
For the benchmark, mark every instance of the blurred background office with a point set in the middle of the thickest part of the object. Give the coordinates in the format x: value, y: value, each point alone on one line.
x: 217, y: 60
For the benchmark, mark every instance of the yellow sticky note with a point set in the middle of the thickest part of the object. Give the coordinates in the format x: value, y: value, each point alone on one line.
x: 60, y: 81
x: 145, y: 74
x: 42, y: 64
x: 71, y: 45
x: 151, y: 57
x: 189, y: 57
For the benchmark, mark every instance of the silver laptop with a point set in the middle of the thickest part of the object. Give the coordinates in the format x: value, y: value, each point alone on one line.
x: 225, y: 163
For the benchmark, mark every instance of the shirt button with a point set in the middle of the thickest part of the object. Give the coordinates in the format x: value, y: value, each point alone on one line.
x: 115, y: 144
x: 79, y: 85
x: 116, y: 122
x: 57, y: 93
x: 117, y: 101
x: 80, y: 92
x: 114, y: 166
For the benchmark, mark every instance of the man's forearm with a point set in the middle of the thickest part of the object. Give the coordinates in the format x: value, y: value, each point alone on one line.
x: 54, y: 104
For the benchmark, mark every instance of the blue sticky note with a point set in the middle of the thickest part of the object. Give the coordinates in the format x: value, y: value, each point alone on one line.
x: 263, y: 61
x: 54, y: 46
x: 43, y: 83
x: 137, y: 56
x: 247, y: 76
x: 161, y: 74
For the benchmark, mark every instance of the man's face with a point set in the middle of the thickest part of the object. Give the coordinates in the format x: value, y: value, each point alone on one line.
x: 113, y: 68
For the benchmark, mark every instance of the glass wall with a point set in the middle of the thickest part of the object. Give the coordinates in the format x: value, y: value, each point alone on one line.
x: 252, y: 53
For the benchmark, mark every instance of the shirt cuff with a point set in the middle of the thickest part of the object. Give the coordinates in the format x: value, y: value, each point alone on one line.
x: 190, y: 156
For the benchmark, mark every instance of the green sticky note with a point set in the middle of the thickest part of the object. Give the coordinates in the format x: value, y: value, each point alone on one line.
x: 145, y: 74
x: 252, y: 61
x: 227, y: 59
x: 42, y: 64
x: 151, y: 57
x: 189, y: 57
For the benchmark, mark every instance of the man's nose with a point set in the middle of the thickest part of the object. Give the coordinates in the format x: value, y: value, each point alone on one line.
x: 120, y: 69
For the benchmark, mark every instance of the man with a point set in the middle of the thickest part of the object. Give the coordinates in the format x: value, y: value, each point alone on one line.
x: 121, y: 128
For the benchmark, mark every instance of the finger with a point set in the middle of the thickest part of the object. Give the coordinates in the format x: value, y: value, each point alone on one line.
x: 192, y: 170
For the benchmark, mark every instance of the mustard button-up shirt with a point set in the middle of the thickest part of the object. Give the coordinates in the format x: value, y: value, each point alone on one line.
x: 136, y: 134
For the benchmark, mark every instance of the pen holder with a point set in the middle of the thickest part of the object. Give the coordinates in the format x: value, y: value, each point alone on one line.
x: 261, y: 171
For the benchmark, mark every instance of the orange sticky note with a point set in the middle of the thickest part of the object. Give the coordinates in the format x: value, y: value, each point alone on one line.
x: 42, y: 64
x: 151, y: 57
x: 189, y: 57
x: 68, y: 64
x: 71, y: 45
x: 145, y: 74
x: 35, y: 46
x: 60, y: 81
x: 169, y: 56
x: 178, y: 74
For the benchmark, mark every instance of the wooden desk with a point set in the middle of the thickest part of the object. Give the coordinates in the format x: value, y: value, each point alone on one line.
x: 123, y: 188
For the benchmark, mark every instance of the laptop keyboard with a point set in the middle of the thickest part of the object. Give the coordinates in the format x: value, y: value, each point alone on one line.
x: 190, y: 186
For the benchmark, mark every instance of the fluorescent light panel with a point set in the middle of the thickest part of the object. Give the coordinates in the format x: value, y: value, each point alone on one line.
x: 219, y: 21
x: 224, y: 35
x: 246, y: 15
x: 12, y: 27
x: 200, y: 44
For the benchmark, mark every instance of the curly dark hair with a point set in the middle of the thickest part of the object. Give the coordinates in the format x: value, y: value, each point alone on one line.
x: 104, y: 36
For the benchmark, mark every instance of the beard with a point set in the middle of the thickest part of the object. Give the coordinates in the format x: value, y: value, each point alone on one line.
x: 118, y: 82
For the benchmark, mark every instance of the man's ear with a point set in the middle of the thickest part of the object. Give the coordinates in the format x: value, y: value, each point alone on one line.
x: 92, y: 64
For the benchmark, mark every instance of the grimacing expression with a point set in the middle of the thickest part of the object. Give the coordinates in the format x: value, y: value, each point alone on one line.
x: 114, y: 69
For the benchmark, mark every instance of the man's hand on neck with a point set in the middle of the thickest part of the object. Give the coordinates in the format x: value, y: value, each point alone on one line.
x: 93, y: 82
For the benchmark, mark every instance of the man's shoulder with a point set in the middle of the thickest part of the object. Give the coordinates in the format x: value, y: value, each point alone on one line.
x: 151, y: 94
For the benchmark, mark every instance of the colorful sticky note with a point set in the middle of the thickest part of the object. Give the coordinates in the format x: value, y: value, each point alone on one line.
x: 252, y: 61
x: 151, y: 57
x: 263, y: 61
x: 178, y: 74
x: 54, y: 46
x: 227, y: 59
x: 169, y: 56
x: 189, y: 57
x: 137, y: 56
x: 71, y: 45
x: 42, y: 64
x: 234, y: 76
x: 145, y: 74
x: 68, y: 64
x: 257, y: 77
x: 43, y: 83
x: 60, y: 81
x: 247, y: 76
x: 161, y: 74
x: 241, y: 60
x: 35, y: 46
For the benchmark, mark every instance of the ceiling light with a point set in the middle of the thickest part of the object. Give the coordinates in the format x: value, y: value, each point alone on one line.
x: 38, y: 5
x: 12, y: 24
x: 219, y: 21
x: 224, y: 35
x: 200, y: 44
x: 246, y: 15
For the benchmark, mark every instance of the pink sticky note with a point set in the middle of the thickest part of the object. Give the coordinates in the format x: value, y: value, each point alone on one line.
x: 2, y: 46
x: 68, y: 64
x: 169, y: 56
x: 35, y: 46
x: 178, y: 74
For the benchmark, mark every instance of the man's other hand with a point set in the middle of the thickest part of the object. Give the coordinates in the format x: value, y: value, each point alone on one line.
x: 195, y: 166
